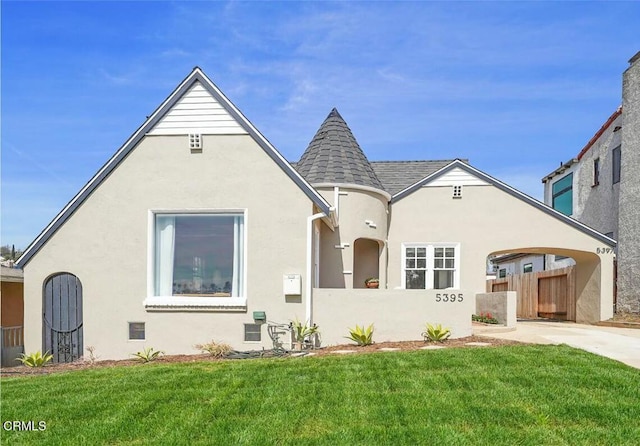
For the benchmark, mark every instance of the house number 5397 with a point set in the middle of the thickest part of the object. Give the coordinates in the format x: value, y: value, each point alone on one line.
x: 449, y: 297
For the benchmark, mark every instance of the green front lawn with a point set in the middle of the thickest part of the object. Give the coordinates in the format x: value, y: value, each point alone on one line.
x: 509, y: 395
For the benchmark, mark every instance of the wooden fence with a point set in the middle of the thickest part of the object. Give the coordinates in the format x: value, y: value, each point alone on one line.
x: 549, y: 294
x: 12, y: 343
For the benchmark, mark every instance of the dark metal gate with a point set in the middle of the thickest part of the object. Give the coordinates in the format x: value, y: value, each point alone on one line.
x: 62, y: 318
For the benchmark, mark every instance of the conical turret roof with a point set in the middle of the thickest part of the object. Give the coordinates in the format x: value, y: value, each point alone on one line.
x: 334, y: 156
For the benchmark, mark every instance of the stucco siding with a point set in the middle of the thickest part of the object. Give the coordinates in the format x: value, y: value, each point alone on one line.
x: 629, y: 219
x: 397, y: 315
x: 106, y: 244
x: 362, y: 214
x: 487, y: 220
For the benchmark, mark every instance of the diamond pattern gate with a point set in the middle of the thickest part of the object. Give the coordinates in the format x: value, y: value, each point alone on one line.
x: 62, y: 317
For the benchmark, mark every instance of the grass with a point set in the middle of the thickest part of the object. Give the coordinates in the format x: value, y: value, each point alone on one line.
x: 527, y: 395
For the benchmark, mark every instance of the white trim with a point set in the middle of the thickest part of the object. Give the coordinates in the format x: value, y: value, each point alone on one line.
x: 385, y: 194
x: 192, y: 302
x: 430, y: 262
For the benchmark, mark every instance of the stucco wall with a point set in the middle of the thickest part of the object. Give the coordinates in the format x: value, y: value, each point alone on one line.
x: 356, y: 207
x: 487, y: 220
x: 106, y: 244
x: 397, y: 315
x: 629, y: 217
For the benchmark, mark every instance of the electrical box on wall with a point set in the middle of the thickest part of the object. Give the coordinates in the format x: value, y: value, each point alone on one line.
x: 292, y: 284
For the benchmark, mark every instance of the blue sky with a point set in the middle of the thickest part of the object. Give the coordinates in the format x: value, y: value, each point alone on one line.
x: 515, y: 87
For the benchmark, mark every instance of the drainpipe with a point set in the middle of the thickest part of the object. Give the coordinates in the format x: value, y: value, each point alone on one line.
x: 308, y: 282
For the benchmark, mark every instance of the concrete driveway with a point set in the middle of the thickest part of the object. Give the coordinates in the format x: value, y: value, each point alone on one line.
x: 621, y: 344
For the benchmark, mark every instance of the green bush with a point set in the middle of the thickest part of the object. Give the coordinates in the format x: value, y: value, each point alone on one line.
x: 36, y: 359
x: 361, y: 336
x: 148, y: 355
x: 215, y: 349
x: 435, y: 333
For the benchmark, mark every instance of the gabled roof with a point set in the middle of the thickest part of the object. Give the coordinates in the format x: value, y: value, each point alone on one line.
x: 398, y: 175
x: 196, y: 76
x: 334, y: 156
x: 459, y: 164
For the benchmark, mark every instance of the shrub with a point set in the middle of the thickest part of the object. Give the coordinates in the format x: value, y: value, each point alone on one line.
x: 485, y: 318
x: 361, y: 336
x: 302, y: 331
x: 148, y: 355
x: 217, y: 350
x: 435, y: 333
x: 36, y: 359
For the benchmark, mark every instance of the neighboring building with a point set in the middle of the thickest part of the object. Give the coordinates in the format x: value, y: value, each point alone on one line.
x: 601, y: 188
x: 511, y: 264
x: 11, y: 314
x: 222, y: 234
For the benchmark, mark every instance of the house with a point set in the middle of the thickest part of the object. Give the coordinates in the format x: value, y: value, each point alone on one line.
x: 223, y: 236
x: 600, y: 188
x: 11, y: 314
x: 510, y: 264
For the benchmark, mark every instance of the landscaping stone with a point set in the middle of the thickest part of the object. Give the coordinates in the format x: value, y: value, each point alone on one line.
x: 479, y: 344
x: 433, y: 347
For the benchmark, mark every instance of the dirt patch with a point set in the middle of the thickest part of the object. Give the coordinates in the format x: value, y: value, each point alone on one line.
x: 325, y: 351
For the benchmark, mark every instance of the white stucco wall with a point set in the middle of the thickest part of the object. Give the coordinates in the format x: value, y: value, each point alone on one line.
x: 105, y: 243
x: 487, y: 220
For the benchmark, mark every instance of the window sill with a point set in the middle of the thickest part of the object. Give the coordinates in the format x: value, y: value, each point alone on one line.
x: 177, y: 303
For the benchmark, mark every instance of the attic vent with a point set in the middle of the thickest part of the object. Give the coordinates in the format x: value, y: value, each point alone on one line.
x: 457, y: 191
x: 195, y: 142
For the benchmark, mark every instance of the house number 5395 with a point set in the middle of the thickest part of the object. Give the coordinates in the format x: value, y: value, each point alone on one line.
x: 449, y: 297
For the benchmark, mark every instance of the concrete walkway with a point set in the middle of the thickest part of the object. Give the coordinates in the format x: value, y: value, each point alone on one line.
x: 621, y: 344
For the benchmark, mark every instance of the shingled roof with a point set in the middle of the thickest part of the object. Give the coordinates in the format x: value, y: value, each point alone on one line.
x: 398, y: 175
x: 334, y: 156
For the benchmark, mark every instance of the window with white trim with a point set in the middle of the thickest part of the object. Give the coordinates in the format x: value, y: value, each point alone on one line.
x: 199, y: 255
x: 431, y: 266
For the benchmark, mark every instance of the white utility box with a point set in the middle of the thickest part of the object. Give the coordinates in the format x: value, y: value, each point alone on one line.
x: 292, y: 284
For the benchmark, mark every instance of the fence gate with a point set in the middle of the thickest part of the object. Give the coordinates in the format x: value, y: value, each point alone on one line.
x: 62, y: 319
x: 552, y: 297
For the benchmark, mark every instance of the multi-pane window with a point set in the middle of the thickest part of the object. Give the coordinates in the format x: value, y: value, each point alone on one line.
x: 502, y: 273
x: 430, y: 266
x: 616, y: 156
x: 416, y: 267
x: 199, y: 255
x: 562, y: 191
x: 527, y: 268
x: 444, y: 261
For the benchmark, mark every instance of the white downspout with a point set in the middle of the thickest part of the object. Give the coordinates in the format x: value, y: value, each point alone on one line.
x: 309, y: 279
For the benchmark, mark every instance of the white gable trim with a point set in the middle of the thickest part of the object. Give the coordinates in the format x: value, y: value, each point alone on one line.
x: 458, y: 164
x: 456, y: 177
x: 197, y: 111
x: 195, y: 76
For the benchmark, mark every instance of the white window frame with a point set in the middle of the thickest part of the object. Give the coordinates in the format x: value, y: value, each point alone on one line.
x: 195, y: 303
x: 429, y: 275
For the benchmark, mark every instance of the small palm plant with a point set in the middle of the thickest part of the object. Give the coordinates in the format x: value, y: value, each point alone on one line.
x: 36, y: 359
x: 148, y: 355
x: 435, y: 333
x: 361, y: 336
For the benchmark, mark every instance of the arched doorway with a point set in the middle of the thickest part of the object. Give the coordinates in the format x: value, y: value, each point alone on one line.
x: 366, y: 261
x: 62, y: 317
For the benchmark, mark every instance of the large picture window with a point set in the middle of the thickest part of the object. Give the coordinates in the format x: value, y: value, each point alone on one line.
x: 562, y: 191
x: 199, y: 255
x: 430, y: 266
